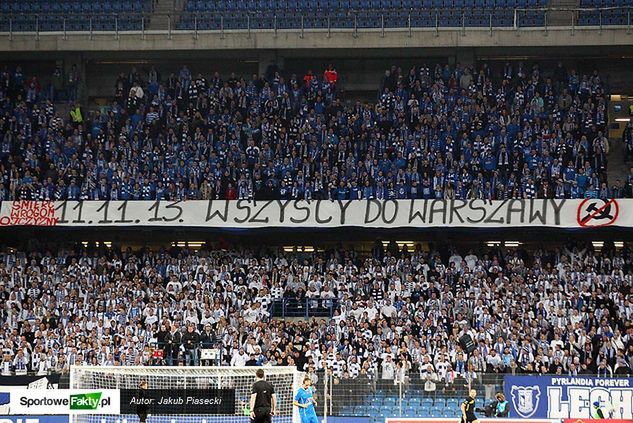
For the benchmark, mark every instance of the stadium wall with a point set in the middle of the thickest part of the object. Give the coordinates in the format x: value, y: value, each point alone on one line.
x: 562, y: 397
x: 360, y: 69
x: 317, y: 39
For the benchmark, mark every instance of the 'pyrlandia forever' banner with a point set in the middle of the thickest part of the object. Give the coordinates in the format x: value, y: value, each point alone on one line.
x: 562, y: 397
x: 570, y: 214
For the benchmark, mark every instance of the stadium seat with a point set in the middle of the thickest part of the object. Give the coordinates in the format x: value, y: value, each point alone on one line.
x: 369, y: 13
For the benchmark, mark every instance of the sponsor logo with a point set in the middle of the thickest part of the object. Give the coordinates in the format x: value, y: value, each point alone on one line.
x: 87, y: 401
x: 64, y: 401
x: 525, y: 399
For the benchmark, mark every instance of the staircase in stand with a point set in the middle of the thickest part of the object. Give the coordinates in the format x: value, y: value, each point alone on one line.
x: 163, y: 11
x: 562, y: 17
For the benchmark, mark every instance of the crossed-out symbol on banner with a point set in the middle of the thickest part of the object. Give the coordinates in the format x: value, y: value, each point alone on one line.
x: 594, y: 213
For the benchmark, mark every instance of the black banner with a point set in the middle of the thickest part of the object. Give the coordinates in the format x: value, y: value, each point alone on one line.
x: 178, y: 401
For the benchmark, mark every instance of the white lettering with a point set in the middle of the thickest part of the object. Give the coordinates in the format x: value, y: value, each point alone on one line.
x: 557, y: 408
x: 204, y: 401
x: 622, y: 403
x: 137, y: 401
x: 618, y: 383
x: 579, y: 401
x: 170, y: 401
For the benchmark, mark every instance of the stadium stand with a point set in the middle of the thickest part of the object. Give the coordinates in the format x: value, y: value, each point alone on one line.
x: 74, y: 15
x: 384, y: 331
x: 565, y: 311
x: 448, y: 132
x: 611, y: 16
x: 71, y: 15
x: 358, y: 14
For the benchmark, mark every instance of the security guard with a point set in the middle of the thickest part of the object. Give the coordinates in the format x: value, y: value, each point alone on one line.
x: 501, y: 407
x: 596, y: 411
x: 75, y: 114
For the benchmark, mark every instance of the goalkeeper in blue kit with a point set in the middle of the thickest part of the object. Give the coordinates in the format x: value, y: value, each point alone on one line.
x: 306, y: 402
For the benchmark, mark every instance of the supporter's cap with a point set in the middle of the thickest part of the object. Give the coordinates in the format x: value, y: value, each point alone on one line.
x: 596, y: 404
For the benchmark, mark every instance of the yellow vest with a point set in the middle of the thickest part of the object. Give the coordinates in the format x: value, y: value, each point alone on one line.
x: 76, y: 115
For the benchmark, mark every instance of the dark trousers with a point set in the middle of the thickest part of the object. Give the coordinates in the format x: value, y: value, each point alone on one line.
x: 262, y: 415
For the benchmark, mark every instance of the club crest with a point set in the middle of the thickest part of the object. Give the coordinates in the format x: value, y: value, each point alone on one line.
x: 525, y: 400
x: 5, y: 400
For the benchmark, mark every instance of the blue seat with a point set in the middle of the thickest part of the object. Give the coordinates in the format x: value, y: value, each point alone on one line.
x: 411, y: 411
x: 366, y: 14
x: 427, y: 402
x: 388, y: 401
x: 347, y: 411
x: 416, y: 402
x: 423, y: 19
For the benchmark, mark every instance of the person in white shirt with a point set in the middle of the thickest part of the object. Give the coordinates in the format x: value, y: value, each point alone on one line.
x: 239, y: 358
x: 556, y: 341
x: 42, y: 365
x: 356, y: 311
x: 251, y: 315
x: 430, y: 379
x: 353, y: 367
x: 327, y: 295
x: 191, y: 317
x: 20, y: 363
x: 494, y: 359
x: 388, y: 373
x: 456, y: 259
x: 5, y: 367
x: 314, y: 353
x: 312, y: 295
x: 371, y: 310
x: 174, y: 285
x: 441, y: 365
x: 471, y: 260
x: 388, y: 310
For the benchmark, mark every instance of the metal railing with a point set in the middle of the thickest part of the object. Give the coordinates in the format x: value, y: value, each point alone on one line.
x: 354, y: 21
x: 377, y: 398
x: 304, y: 308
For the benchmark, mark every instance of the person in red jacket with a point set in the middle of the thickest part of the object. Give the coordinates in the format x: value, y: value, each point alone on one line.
x: 307, y: 78
x: 331, y: 76
x: 231, y: 192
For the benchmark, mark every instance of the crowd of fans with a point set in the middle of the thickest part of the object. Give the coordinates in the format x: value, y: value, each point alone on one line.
x: 443, y: 132
x: 398, y: 314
